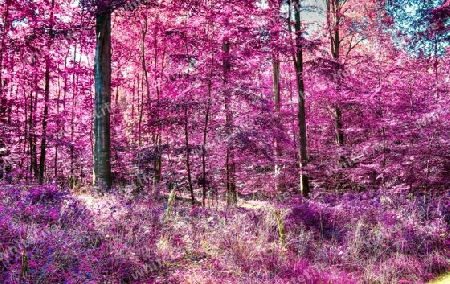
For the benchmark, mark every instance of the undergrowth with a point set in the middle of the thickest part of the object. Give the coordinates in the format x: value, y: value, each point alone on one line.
x: 49, y: 235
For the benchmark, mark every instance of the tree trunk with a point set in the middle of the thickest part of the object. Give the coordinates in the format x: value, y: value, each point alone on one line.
x: 61, y: 126
x: 230, y: 165
x: 157, y: 136
x: 58, y: 126
x: 72, y: 124
x: 3, y: 100
x: 279, y: 183
x: 301, y: 114
x: 34, y: 169
x: 333, y: 22
x: 44, y: 121
x: 46, y: 101
x: 6, y: 23
x: 145, y: 80
x: 102, y: 134
x: 205, y: 136
x: 188, y: 162
x: 205, y: 178
x: 141, y: 112
x: 25, y: 131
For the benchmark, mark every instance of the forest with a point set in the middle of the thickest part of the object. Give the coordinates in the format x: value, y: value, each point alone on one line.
x: 225, y: 141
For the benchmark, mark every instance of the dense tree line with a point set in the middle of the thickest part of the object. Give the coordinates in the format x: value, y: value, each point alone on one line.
x: 230, y: 97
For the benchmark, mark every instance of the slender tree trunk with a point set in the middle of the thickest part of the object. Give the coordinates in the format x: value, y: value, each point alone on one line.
x: 58, y: 124
x: 138, y: 107
x: 44, y: 122
x: 230, y: 164
x: 26, y: 133
x: 141, y: 113
x: 279, y: 183
x: 134, y: 102
x: 46, y: 101
x: 205, y: 179
x: 436, y: 69
x: 9, y: 120
x: 34, y: 168
x: 102, y: 133
x: 6, y: 23
x: 333, y: 22
x: 301, y: 114
x: 32, y: 138
x: 188, y: 151
x: 3, y: 100
x: 205, y: 136
x: 72, y: 123
x: 144, y: 61
x: 132, y: 124
x: 61, y: 132
x: 157, y: 136
x: 145, y: 80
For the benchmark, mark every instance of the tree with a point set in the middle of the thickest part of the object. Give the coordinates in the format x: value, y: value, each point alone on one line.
x: 230, y: 163
x: 102, y: 132
x: 46, y: 98
x: 334, y: 15
x: 301, y: 112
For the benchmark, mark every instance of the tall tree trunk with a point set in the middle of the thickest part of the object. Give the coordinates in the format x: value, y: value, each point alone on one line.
x: 144, y: 61
x: 137, y: 108
x: 61, y: 127
x: 25, y: 131
x: 34, y: 169
x: 157, y: 136
x: 333, y: 22
x: 188, y: 151
x: 141, y: 113
x: 3, y: 100
x: 205, y: 179
x: 205, y: 136
x: 58, y: 127
x: 230, y: 164
x: 301, y: 114
x: 102, y: 133
x: 436, y: 69
x: 46, y: 100
x: 44, y: 122
x: 144, y: 78
x: 6, y: 23
x: 72, y: 123
x: 279, y: 183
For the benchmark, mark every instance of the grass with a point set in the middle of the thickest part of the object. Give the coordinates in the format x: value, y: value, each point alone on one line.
x: 114, y: 238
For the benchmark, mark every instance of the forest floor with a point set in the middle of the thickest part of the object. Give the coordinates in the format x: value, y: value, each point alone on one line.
x: 49, y: 235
